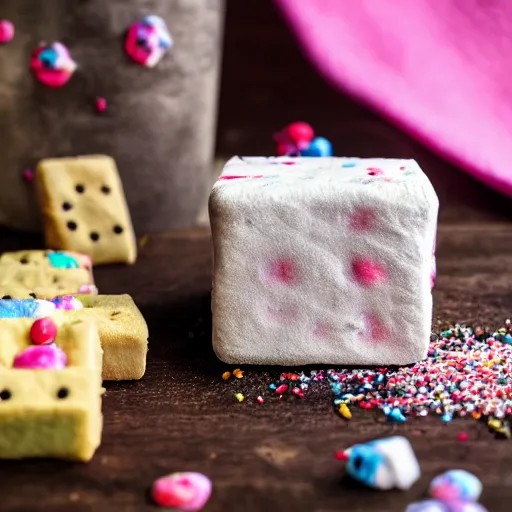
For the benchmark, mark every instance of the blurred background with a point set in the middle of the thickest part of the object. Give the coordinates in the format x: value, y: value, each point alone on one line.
x: 238, y: 72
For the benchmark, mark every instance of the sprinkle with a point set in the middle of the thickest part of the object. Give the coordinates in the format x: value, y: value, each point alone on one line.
x: 462, y: 437
x: 238, y: 374
x: 43, y: 331
x: 297, y: 391
x: 101, y: 104
x: 283, y: 388
x: 239, y: 397
x: 143, y: 240
x: 272, y: 386
x: 28, y: 175
x: 259, y: 399
x: 345, y: 411
x: 348, y: 165
x: 226, y: 375
x: 6, y: 31
x: 341, y: 455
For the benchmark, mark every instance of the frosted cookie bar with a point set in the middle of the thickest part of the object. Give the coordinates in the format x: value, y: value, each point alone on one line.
x: 84, y: 208
x: 44, y: 274
x: 123, y: 334
x: 50, y: 394
x: 322, y: 260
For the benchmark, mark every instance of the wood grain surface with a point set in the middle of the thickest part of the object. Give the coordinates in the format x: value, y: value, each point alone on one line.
x: 277, y: 456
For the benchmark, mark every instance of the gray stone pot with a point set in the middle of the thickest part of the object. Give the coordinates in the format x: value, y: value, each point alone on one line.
x: 159, y: 125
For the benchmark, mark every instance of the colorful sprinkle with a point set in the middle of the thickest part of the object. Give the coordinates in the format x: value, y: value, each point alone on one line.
x: 6, y: 31
x: 101, y: 104
x: 345, y: 411
x: 29, y: 175
x: 462, y: 437
x: 62, y: 260
x: 348, y: 165
x: 226, y: 375
x: 239, y: 397
x: 259, y: 399
x: 237, y: 373
x: 184, y: 491
x: 280, y: 390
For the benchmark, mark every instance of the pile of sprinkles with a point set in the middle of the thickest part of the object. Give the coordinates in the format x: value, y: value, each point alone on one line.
x: 468, y: 372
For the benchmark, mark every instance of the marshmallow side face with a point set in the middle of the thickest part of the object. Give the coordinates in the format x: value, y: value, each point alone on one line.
x: 322, y: 260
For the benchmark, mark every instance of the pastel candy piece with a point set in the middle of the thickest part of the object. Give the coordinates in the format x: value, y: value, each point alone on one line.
x: 318, y: 147
x: 456, y: 484
x: 6, y: 31
x: 445, y: 506
x: 384, y: 464
x: 67, y: 303
x: 28, y: 308
x: 41, y: 357
x: 62, y: 260
x: 148, y: 40
x: 354, y: 245
x: 184, y: 491
x: 52, y: 65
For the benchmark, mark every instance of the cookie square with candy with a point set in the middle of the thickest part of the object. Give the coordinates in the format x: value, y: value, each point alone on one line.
x: 84, y: 208
x: 123, y: 334
x: 322, y: 260
x: 45, y: 274
x: 50, y: 388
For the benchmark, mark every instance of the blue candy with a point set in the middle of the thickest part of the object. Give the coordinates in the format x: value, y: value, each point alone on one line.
x: 347, y: 165
x: 318, y: 147
x: 49, y: 58
x: 62, y: 260
x: 25, y: 308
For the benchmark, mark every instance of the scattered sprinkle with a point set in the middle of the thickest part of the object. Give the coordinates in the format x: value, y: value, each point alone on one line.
x: 226, y: 375
x: 283, y: 388
x: 259, y: 399
x: 462, y: 437
x: 28, y: 175
x: 101, y: 104
x: 143, y: 240
x: 6, y: 31
x: 239, y: 397
x: 345, y: 411
x: 238, y: 374
x: 341, y: 455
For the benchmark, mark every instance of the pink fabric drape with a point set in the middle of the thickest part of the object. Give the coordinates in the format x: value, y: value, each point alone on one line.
x: 441, y: 69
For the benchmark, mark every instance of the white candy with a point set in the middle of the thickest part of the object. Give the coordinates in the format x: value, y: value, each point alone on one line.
x: 326, y: 260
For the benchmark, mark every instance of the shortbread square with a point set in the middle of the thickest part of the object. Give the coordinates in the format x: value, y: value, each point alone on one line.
x: 84, y: 208
x: 322, y: 260
x: 46, y: 412
x: 123, y: 334
x: 44, y: 274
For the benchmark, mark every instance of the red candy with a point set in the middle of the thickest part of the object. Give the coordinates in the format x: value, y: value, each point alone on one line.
x: 101, y: 104
x: 43, y: 331
x: 300, y: 132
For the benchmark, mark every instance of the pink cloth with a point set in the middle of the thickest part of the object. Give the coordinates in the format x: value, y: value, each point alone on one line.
x: 439, y: 69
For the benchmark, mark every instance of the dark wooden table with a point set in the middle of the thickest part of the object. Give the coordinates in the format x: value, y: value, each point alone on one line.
x: 277, y: 456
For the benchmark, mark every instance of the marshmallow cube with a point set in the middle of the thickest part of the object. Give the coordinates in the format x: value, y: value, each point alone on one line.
x: 322, y: 260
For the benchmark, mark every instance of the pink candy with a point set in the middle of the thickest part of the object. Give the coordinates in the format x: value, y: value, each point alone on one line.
x: 184, y: 491
x: 41, y: 357
x: 52, y: 65
x: 6, y: 31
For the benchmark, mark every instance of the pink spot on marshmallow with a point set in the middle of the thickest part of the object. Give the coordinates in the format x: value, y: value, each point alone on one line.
x: 433, y: 272
x: 362, y: 219
x: 281, y: 314
x: 375, y: 171
x: 283, y: 271
x: 367, y: 272
x: 322, y: 330
x: 376, y: 327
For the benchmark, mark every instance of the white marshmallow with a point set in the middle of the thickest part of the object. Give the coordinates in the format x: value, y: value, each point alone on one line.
x: 327, y: 260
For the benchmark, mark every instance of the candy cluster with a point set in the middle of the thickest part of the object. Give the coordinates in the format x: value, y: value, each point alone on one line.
x: 44, y: 354
x: 298, y: 139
